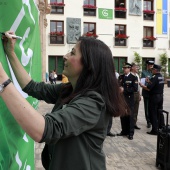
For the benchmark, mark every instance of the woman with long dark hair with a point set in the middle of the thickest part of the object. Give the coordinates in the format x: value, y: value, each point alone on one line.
x: 76, y: 128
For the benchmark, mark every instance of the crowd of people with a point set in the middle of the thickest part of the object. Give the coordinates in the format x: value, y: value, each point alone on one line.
x: 81, y: 119
x: 152, y: 84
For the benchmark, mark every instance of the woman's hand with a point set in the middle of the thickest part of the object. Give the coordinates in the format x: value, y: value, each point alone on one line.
x: 9, y: 43
x: 3, y: 75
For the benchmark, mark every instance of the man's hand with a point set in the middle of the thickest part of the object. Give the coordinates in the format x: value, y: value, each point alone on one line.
x: 121, y: 89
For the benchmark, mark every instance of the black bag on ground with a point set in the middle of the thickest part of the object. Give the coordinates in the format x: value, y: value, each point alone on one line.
x: 163, y: 144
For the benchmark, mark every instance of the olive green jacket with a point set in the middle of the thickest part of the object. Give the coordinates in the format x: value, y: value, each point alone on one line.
x: 74, y: 133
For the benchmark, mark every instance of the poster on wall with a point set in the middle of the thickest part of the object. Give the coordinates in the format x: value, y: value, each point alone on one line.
x: 22, y: 17
x: 73, y: 30
x: 162, y: 17
x: 135, y: 7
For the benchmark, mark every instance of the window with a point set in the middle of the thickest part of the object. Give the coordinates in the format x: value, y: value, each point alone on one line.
x: 90, y: 29
x: 56, y: 63
x: 148, y: 39
x: 56, y: 32
x: 120, y: 35
x: 119, y: 62
x: 89, y: 7
x: 148, y: 10
x: 57, y: 6
x: 120, y: 8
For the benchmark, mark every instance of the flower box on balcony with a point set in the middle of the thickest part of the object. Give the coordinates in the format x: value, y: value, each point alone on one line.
x: 57, y: 4
x: 151, y: 38
x: 56, y: 33
x: 148, y: 11
x: 121, y: 36
x: 90, y: 35
x: 120, y: 9
x: 89, y: 6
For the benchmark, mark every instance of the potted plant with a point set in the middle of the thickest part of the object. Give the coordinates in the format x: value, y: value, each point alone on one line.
x: 57, y: 33
x: 89, y: 6
x: 57, y: 4
x: 122, y: 36
x: 148, y: 11
x: 163, y: 62
x: 89, y: 34
x: 151, y: 38
x: 138, y: 60
x: 120, y: 9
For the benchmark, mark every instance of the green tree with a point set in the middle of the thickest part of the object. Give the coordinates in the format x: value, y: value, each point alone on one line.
x: 163, y: 62
x: 138, y: 61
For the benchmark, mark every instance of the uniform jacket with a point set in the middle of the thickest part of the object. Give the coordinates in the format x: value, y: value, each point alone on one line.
x: 146, y: 73
x: 156, y: 84
x: 129, y: 83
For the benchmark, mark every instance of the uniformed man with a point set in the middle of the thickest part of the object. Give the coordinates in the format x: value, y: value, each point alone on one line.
x: 156, y: 88
x: 147, y: 74
x: 129, y: 85
x: 137, y: 96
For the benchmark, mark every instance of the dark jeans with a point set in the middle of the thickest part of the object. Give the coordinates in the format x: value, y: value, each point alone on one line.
x: 146, y: 107
x: 127, y: 122
x: 136, y: 106
x: 156, y: 103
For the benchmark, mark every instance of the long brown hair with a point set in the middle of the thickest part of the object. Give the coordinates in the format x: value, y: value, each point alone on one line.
x: 98, y: 75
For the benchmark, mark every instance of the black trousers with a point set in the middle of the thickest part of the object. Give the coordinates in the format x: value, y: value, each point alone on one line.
x: 146, y: 107
x: 156, y: 103
x: 127, y: 122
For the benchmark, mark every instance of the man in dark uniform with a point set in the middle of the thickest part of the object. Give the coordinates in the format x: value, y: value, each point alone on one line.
x: 129, y: 85
x: 147, y: 74
x: 156, y: 88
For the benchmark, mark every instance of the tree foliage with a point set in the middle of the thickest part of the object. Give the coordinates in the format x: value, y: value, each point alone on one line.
x: 163, y: 62
x: 138, y: 61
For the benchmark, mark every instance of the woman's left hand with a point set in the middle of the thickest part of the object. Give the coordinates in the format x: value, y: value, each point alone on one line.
x: 3, y: 75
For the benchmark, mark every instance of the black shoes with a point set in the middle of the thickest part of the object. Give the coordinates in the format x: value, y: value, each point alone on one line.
x: 136, y: 127
x: 121, y: 134
x: 130, y: 137
x: 148, y: 125
x: 152, y: 133
x: 111, y: 134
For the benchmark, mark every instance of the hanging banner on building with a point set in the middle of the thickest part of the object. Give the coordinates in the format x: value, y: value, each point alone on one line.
x: 105, y: 13
x: 22, y: 17
x: 162, y: 17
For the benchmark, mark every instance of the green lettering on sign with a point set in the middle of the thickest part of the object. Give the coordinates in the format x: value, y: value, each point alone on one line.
x: 105, y: 13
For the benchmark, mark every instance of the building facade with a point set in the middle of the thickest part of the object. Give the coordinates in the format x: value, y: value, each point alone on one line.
x: 126, y: 26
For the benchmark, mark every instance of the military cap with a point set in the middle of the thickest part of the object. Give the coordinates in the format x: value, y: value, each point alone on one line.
x: 127, y: 65
x: 134, y: 64
x: 150, y: 62
x: 157, y: 67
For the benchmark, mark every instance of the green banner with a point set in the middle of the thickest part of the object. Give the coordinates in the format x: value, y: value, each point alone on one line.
x: 105, y: 13
x: 22, y: 17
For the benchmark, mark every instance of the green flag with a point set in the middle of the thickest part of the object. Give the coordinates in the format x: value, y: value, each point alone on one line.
x: 105, y: 13
x: 22, y: 17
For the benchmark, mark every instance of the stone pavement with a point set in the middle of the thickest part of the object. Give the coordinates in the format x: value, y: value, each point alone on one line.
x: 121, y: 153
